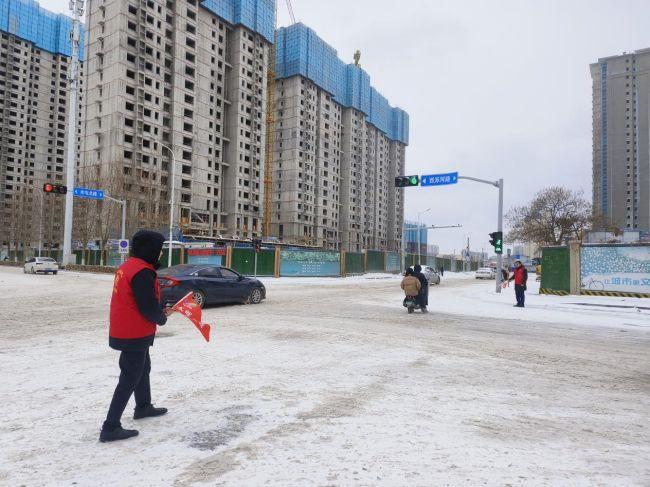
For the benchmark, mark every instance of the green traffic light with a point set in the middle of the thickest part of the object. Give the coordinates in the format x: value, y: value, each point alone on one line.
x: 414, y: 181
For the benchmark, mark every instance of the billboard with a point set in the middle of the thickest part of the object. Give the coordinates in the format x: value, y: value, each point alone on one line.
x: 615, y: 268
x: 310, y: 263
x: 206, y: 256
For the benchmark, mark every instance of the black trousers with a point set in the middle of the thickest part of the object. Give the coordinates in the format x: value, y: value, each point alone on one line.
x: 134, y: 379
x: 519, y: 293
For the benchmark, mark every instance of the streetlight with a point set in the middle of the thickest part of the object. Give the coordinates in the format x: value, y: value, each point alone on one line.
x: 420, y: 213
x: 171, y: 206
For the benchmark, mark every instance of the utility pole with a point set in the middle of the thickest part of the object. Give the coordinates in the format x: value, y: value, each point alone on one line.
x: 497, y: 184
x: 171, y: 204
x: 77, y: 7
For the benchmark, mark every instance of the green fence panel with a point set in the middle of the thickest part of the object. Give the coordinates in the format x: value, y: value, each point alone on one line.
x: 243, y: 261
x: 555, y: 269
x: 375, y: 261
x: 176, y: 257
x: 431, y: 261
x: 354, y: 263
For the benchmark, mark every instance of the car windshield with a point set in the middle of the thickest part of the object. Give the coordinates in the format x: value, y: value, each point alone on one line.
x: 46, y: 259
x: 178, y: 270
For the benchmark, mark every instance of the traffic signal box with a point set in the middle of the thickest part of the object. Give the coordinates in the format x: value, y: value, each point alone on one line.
x: 55, y: 188
x: 406, y: 181
x: 497, y: 242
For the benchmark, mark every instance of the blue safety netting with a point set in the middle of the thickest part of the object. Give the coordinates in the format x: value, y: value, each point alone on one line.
x: 257, y: 15
x: 300, y: 51
x: 29, y: 21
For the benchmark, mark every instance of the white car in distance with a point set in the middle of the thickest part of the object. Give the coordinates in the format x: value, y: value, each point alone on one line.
x: 43, y: 265
x: 485, y: 273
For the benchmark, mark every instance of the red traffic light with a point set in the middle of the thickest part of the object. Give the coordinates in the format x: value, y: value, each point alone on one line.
x: 55, y: 188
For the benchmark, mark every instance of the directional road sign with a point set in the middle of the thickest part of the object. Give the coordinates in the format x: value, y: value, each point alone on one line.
x: 124, y: 246
x: 93, y: 194
x: 439, y: 179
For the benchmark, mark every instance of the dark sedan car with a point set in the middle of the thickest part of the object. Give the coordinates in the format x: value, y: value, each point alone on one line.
x: 210, y: 284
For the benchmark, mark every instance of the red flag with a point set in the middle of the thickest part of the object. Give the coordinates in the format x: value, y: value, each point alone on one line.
x: 188, y: 307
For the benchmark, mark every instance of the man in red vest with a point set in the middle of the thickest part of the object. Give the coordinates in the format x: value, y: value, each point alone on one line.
x: 520, y: 276
x: 135, y: 313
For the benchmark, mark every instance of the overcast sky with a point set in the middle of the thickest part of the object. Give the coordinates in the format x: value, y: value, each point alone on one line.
x: 493, y: 89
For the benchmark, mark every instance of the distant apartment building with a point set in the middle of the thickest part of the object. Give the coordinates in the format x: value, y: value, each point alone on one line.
x: 621, y: 139
x: 188, y: 77
x: 338, y: 145
x: 34, y: 60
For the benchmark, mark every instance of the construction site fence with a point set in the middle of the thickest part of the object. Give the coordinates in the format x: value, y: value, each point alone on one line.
x: 271, y: 261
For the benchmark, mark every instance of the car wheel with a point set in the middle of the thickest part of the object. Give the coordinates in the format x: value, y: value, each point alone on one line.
x: 55, y: 272
x: 255, y: 296
x: 24, y: 271
x: 199, y: 298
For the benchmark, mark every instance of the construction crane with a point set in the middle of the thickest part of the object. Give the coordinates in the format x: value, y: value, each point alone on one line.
x: 270, y: 129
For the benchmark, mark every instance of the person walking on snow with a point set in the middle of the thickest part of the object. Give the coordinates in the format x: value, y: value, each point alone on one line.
x: 520, y: 276
x: 423, y: 296
x: 135, y: 312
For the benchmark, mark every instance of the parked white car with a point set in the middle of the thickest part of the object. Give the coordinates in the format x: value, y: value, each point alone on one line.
x: 44, y: 265
x: 485, y: 273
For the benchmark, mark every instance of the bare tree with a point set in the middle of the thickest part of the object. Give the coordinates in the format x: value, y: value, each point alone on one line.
x: 554, y: 216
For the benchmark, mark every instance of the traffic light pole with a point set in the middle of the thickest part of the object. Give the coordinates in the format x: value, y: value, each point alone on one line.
x: 497, y: 184
x: 77, y: 7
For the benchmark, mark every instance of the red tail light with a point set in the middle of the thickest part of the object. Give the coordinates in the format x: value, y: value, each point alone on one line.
x: 168, y: 282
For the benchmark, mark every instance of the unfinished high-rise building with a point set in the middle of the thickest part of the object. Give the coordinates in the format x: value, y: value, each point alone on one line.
x: 338, y: 146
x: 35, y: 51
x: 621, y: 140
x: 183, y: 81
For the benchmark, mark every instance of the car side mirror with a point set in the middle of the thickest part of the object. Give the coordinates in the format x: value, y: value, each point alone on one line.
x: 240, y: 278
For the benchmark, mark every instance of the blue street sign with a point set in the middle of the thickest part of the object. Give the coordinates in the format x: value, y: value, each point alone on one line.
x: 93, y: 194
x: 439, y: 179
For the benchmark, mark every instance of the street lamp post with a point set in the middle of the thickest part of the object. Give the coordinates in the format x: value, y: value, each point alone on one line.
x: 419, y: 245
x: 171, y: 206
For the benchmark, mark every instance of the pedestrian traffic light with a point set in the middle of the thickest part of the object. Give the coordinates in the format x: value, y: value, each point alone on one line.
x: 405, y: 181
x: 257, y: 244
x: 55, y: 188
x: 497, y: 242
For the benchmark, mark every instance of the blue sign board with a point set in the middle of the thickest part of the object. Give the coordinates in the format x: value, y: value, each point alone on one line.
x: 93, y: 194
x: 439, y: 179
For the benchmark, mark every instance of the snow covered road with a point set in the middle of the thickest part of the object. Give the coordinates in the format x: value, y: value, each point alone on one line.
x: 330, y: 382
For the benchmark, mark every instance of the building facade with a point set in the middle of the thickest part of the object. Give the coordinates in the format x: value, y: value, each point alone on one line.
x: 338, y: 146
x: 187, y: 78
x: 621, y: 140
x: 34, y: 103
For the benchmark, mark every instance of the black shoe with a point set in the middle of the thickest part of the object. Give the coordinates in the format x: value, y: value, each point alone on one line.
x: 424, y: 310
x: 116, y: 434
x: 148, y: 412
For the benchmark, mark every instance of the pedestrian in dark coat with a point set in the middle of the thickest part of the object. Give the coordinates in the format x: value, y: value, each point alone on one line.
x: 423, y: 297
x: 135, y: 313
x: 442, y: 271
x: 520, y: 276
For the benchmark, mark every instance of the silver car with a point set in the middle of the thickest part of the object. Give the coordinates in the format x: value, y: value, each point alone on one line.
x: 43, y: 265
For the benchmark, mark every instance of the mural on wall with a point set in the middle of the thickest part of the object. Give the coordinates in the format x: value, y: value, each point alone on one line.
x: 310, y: 263
x: 623, y: 269
x: 392, y: 262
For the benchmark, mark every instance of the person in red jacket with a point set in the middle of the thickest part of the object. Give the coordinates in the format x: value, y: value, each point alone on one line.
x: 134, y: 315
x: 520, y: 276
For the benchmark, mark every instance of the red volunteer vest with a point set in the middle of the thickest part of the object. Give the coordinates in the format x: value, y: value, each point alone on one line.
x: 519, y: 275
x: 126, y: 320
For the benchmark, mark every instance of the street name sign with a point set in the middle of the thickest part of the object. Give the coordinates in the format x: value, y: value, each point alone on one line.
x: 93, y: 194
x: 439, y: 179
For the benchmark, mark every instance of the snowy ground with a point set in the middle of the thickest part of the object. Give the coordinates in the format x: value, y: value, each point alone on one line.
x: 330, y: 382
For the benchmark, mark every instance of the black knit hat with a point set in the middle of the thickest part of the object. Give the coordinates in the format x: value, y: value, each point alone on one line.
x: 146, y: 245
